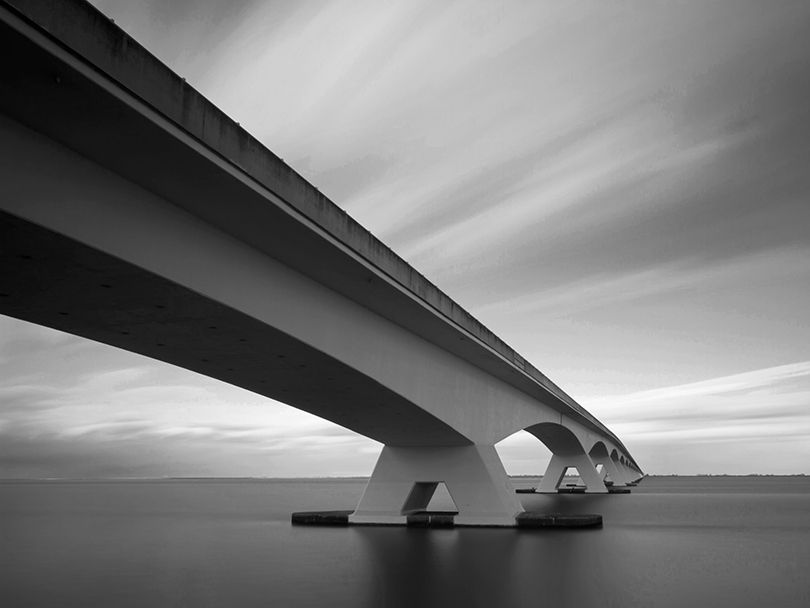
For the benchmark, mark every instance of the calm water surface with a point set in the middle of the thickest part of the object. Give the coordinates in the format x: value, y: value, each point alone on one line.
x: 673, y: 542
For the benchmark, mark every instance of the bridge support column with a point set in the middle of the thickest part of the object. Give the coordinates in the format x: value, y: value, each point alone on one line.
x: 629, y: 474
x: 617, y: 476
x: 559, y: 464
x: 405, y: 477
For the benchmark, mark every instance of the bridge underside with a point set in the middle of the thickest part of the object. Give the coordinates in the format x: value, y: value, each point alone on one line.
x: 51, y: 280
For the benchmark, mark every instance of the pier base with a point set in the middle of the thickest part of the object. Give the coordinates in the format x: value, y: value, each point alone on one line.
x: 447, y: 520
x: 405, y: 478
x: 558, y: 466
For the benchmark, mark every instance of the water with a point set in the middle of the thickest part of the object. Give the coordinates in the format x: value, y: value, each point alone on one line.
x: 672, y: 542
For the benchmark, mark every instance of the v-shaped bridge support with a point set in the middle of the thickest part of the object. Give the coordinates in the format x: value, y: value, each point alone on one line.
x: 405, y: 476
x: 558, y: 466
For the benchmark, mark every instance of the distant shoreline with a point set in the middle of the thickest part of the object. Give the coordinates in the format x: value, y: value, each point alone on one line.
x: 340, y: 478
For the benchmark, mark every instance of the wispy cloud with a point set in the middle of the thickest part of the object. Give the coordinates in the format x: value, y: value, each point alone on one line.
x: 604, y: 289
x: 126, y: 409
x: 758, y: 405
x: 769, y: 378
x: 727, y: 424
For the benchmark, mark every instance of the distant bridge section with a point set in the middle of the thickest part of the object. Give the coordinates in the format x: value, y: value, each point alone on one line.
x: 133, y: 212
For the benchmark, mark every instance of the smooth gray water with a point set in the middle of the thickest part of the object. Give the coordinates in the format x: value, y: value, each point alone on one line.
x: 673, y: 542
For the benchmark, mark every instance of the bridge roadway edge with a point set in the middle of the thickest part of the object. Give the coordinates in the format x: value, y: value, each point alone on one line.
x: 295, y: 197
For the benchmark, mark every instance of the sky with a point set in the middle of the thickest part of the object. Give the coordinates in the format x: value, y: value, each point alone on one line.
x: 619, y: 190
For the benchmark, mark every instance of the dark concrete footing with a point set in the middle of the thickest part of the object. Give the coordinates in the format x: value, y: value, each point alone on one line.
x: 447, y: 520
x: 322, y: 518
x: 431, y: 520
x: 558, y: 520
x: 576, y: 490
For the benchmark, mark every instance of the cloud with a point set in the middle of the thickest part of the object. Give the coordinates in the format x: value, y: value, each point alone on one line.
x: 737, y: 383
x: 116, y: 413
x: 757, y: 405
x: 753, y: 422
x: 605, y: 289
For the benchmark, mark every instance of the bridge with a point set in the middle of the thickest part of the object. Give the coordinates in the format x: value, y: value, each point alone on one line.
x: 135, y: 213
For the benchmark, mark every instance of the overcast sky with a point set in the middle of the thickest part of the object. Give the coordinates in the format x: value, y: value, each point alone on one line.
x: 619, y: 190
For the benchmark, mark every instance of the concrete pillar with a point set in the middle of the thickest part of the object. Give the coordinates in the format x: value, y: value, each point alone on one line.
x: 599, y: 455
x: 603, y: 472
x: 559, y: 464
x: 617, y: 476
x: 552, y: 478
x: 405, y: 478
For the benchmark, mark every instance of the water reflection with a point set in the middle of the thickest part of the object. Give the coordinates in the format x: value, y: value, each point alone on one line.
x: 479, y: 567
x: 434, y: 567
x: 210, y: 544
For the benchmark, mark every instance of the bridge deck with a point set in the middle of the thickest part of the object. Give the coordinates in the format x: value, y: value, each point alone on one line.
x: 87, y: 84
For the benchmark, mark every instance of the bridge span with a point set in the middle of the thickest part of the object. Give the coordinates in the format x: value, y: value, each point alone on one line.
x: 135, y: 213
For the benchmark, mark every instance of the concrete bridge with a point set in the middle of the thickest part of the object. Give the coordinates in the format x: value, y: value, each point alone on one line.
x: 133, y: 212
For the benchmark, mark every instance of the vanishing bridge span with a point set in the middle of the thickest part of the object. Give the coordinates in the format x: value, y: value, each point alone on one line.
x: 135, y: 213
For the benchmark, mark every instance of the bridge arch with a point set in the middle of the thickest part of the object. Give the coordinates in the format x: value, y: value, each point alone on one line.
x: 599, y: 449
x: 599, y: 455
x: 557, y: 438
x: 569, y: 449
x: 621, y: 464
